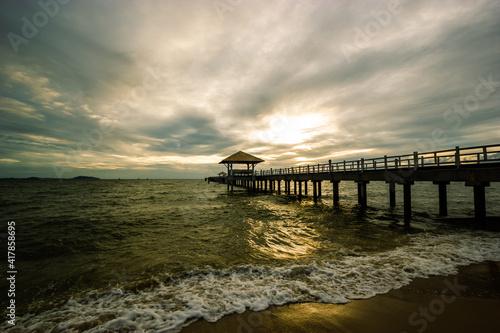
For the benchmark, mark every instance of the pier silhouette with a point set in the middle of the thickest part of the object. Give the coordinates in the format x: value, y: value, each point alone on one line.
x: 475, y: 166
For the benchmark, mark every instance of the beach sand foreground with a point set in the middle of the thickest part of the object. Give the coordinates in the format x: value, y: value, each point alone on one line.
x: 465, y: 302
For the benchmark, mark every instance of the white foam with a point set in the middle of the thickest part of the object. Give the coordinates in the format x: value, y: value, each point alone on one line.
x: 211, y: 293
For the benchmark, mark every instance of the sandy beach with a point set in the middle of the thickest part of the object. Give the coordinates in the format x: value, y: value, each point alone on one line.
x: 465, y: 302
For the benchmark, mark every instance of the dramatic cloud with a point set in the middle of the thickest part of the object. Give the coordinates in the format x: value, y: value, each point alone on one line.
x: 165, y: 89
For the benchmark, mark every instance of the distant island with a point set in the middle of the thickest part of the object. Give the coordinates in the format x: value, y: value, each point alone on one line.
x: 38, y: 178
x: 85, y: 178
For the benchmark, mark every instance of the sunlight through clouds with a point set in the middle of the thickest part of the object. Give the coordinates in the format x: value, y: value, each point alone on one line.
x: 291, y: 130
x: 168, y: 85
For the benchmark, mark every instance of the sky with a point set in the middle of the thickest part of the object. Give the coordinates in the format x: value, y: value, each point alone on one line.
x: 167, y: 89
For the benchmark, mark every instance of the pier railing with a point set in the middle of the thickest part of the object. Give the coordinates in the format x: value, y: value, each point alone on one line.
x: 450, y: 157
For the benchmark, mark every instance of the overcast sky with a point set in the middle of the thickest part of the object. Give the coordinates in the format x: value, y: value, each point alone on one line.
x: 167, y: 89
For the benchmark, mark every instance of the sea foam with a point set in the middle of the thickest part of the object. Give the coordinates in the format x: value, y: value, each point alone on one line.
x: 212, y: 293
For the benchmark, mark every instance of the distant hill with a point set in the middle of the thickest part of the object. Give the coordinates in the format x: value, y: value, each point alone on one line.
x: 85, y: 178
x: 38, y: 178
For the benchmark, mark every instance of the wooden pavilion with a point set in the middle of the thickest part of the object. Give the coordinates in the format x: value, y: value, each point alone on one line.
x: 240, y: 158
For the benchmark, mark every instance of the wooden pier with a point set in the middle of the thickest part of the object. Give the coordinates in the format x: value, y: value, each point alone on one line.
x: 475, y: 166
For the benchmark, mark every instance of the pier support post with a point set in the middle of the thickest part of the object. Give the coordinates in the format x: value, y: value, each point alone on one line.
x: 300, y: 189
x: 443, y: 203
x: 319, y: 189
x: 335, y: 192
x: 479, y: 202
x: 279, y: 186
x: 315, y: 192
x: 362, y: 193
x: 479, y: 198
x: 392, y: 194
x: 305, y: 188
x: 265, y: 185
x: 295, y: 187
x: 407, y: 202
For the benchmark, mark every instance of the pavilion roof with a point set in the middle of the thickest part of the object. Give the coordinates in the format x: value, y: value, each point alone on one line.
x: 241, y: 158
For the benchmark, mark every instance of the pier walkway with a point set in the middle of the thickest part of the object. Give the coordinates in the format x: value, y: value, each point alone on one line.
x: 475, y: 166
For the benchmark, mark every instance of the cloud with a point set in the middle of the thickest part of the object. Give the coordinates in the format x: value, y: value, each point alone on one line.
x: 18, y: 108
x: 269, y: 78
x: 9, y: 160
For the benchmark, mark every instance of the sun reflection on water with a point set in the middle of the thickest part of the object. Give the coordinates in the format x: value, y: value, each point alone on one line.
x: 279, y: 239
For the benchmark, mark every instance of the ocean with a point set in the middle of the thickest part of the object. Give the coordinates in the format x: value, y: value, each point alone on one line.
x: 155, y: 255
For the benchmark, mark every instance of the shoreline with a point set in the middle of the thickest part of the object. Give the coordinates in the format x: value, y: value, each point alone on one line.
x: 468, y: 301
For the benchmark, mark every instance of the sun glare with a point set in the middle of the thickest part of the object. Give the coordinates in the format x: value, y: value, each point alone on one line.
x: 291, y: 129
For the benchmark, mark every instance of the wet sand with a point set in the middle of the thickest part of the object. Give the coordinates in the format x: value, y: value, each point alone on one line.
x: 466, y: 302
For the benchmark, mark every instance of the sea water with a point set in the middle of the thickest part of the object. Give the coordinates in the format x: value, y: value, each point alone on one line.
x: 152, y: 255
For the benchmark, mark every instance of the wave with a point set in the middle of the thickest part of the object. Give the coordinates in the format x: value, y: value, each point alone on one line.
x: 212, y: 293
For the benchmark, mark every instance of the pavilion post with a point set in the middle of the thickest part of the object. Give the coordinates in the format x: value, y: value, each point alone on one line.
x: 253, y: 177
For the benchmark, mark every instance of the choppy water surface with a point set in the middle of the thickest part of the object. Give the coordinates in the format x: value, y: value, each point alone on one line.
x: 152, y: 254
